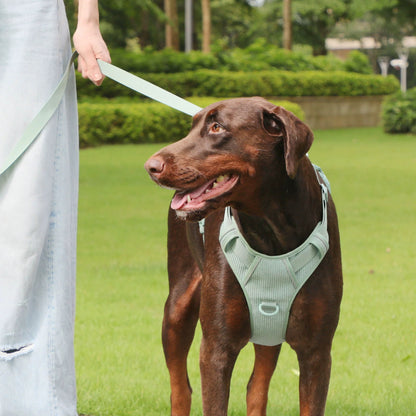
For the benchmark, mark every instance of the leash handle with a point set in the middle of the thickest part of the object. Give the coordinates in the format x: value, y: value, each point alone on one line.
x: 32, y: 131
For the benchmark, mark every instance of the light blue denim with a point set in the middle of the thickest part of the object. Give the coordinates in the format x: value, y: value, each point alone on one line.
x: 38, y: 215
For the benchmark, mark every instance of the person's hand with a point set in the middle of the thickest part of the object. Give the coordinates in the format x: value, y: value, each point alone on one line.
x: 90, y: 46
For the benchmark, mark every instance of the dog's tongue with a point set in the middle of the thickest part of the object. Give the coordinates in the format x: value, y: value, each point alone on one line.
x: 179, y: 200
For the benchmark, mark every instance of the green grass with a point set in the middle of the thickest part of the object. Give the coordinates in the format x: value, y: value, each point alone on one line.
x: 122, y: 284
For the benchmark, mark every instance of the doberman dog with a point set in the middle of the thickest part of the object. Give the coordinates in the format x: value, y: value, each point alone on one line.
x: 251, y: 155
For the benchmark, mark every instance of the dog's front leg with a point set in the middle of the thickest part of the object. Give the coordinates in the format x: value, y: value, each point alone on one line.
x: 216, y: 364
x: 315, y: 370
x: 258, y: 386
x: 180, y: 315
x: 226, y: 330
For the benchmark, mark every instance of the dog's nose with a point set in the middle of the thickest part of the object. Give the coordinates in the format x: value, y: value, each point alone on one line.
x: 154, y: 166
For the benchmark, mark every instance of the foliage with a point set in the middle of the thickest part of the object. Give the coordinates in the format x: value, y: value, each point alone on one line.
x: 115, y: 121
x: 263, y: 83
x: 387, y: 21
x: 112, y: 122
x: 314, y: 20
x: 398, y: 18
x: 257, y: 56
x: 358, y: 62
x: 164, y: 61
x: 399, y: 112
x: 261, y: 55
x: 237, y: 24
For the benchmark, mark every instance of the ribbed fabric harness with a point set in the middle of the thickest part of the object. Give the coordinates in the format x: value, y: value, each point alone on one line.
x: 271, y: 283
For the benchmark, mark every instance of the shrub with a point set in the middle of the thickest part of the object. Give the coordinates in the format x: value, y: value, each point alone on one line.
x: 358, y: 62
x: 272, y: 83
x: 165, y: 61
x: 399, y: 112
x: 114, y: 121
x: 256, y: 57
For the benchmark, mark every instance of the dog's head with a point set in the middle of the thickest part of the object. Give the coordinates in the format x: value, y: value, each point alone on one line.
x: 232, y: 147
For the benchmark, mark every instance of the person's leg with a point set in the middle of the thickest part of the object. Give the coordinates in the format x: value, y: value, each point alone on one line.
x: 38, y: 201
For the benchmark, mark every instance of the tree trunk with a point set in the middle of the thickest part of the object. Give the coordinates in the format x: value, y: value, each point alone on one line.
x: 287, y: 24
x: 171, y: 27
x: 206, y: 26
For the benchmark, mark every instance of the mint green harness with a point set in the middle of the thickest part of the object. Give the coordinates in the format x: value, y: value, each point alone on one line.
x: 270, y: 283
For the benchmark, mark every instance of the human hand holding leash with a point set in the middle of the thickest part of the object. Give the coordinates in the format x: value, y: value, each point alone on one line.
x: 89, y: 43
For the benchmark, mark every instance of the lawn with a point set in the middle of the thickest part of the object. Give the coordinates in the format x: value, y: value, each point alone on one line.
x: 122, y: 284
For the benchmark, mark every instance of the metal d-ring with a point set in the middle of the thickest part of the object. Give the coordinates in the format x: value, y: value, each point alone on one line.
x: 268, y: 305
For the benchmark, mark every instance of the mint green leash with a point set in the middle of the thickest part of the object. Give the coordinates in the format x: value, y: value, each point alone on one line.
x: 146, y: 88
x: 32, y: 131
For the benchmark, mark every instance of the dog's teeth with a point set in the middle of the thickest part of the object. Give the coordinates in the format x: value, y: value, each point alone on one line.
x: 214, y: 185
x: 220, y: 179
x: 189, y: 199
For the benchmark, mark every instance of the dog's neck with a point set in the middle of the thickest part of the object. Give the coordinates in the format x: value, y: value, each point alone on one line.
x: 286, y: 216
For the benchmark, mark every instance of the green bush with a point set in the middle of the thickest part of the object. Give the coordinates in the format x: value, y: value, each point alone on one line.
x: 258, y: 56
x: 273, y: 83
x: 165, y: 61
x: 399, y: 112
x: 115, y: 121
x: 358, y: 62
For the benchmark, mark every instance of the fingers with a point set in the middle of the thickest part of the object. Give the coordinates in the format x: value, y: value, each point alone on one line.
x: 91, y: 47
x: 89, y: 68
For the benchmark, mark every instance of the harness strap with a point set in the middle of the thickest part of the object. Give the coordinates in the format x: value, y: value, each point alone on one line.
x: 271, y: 283
x: 299, y: 257
x: 33, y: 129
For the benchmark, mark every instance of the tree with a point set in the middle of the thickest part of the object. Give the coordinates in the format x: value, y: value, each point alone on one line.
x: 314, y: 21
x: 397, y: 17
x: 126, y: 19
x: 206, y: 26
x: 171, y: 26
x: 234, y: 23
x: 287, y: 24
x: 387, y: 21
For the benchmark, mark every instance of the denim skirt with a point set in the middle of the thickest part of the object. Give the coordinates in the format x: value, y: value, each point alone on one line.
x: 38, y: 214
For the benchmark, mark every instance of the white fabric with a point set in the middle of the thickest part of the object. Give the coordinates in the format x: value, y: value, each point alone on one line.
x: 38, y: 205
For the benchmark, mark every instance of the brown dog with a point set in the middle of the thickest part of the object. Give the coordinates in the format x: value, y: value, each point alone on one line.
x: 251, y: 155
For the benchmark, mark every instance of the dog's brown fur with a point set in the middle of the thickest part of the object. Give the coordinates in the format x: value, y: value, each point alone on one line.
x: 277, y: 203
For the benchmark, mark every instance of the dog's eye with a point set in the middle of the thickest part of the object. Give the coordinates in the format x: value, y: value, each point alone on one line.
x: 216, y: 128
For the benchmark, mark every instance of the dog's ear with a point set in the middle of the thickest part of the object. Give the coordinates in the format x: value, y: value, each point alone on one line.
x: 297, y: 136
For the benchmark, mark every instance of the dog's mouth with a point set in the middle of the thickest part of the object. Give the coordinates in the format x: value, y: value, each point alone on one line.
x: 197, y: 199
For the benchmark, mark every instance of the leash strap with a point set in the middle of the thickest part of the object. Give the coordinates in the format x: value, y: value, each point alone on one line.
x: 131, y: 81
x: 147, y: 88
x: 32, y: 131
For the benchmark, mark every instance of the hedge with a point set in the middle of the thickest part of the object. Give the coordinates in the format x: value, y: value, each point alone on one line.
x: 399, y: 112
x: 111, y: 122
x: 258, y: 56
x: 203, y: 83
